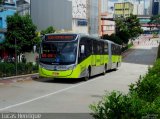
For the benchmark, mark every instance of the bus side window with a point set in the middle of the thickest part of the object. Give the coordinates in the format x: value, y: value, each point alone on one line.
x: 88, y: 46
x: 87, y: 50
x: 105, y: 48
x: 95, y: 48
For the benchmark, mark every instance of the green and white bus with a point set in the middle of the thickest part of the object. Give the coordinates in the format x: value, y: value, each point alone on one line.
x: 77, y: 56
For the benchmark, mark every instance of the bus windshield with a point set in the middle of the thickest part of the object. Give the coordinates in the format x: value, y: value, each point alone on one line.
x: 58, y: 52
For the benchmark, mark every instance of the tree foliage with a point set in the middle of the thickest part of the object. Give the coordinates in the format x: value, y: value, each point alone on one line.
x: 1, y: 1
x: 48, y: 30
x: 133, y: 26
x: 126, y: 29
x: 22, y: 30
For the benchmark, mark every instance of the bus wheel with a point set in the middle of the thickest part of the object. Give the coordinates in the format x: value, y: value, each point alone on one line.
x: 87, y: 75
x: 117, y: 66
x: 104, y: 70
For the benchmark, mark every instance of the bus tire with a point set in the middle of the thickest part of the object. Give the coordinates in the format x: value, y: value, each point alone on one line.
x: 87, y: 75
x: 117, y: 66
x: 105, y: 69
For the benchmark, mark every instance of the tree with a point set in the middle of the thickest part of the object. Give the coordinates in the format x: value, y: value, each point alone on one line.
x: 20, y: 30
x: 48, y: 30
x: 1, y: 2
x: 134, y: 26
x: 122, y: 30
x: 128, y: 28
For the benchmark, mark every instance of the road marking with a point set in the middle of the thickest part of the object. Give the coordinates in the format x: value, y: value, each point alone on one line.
x: 53, y: 93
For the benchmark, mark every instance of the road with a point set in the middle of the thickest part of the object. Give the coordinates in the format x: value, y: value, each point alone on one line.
x: 34, y: 96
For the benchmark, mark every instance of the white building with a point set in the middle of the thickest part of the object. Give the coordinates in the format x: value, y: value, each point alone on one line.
x: 23, y: 7
x: 104, y: 6
x: 79, y: 16
x: 138, y: 8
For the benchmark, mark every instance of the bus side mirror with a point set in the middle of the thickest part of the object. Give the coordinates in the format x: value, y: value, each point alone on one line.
x: 82, y: 49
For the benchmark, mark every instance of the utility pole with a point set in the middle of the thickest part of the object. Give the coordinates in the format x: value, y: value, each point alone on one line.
x: 16, y: 54
x: 88, y: 14
x: 99, y: 17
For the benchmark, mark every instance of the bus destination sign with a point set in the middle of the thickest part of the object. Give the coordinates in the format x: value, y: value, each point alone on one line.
x: 60, y: 37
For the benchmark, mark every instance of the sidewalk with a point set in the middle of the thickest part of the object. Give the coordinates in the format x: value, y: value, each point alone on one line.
x: 19, y: 78
x: 146, y: 40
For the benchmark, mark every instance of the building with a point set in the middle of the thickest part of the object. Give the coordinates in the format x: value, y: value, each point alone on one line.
x: 56, y: 13
x: 123, y: 9
x: 64, y: 15
x: 94, y: 12
x: 79, y: 16
x: 144, y: 20
x: 138, y: 8
x: 107, y: 24
x: 23, y: 7
x: 104, y: 6
x: 155, y: 7
x: 8, y: 8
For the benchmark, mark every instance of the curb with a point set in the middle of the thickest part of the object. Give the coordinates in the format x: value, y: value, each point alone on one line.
x: 20, y: 77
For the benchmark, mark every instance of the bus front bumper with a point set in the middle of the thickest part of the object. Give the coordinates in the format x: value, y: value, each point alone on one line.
x: 58, y: 74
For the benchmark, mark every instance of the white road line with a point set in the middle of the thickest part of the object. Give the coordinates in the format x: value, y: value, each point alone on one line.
x: 53, y: 93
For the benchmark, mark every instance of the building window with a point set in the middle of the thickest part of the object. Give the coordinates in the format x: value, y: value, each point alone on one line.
x: 81, y: 22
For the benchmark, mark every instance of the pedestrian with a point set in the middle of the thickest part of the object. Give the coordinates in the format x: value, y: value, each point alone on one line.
x: 13, y: 59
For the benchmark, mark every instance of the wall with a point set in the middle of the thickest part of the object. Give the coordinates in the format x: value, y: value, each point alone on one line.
x: 80, y: 26
x: 57, y: 13
x: 93, y: 17
x: 79, y: 14
x: 108, y: 27
x: 123, y: 9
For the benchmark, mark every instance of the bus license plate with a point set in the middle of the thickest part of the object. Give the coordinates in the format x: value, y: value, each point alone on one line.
x: 55, y: 74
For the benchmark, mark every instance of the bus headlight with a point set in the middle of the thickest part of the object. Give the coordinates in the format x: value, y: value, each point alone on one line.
x: 63, y: 67
x: 71, y: 67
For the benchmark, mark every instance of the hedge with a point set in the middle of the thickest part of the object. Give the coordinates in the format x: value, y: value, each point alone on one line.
x: 9, y: 69
x: 142, y: 101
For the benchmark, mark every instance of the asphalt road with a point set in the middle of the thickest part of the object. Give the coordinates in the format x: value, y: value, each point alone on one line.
x: 75, y: 96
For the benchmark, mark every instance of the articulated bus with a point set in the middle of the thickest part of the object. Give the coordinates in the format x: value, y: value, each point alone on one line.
x: 77, y: 56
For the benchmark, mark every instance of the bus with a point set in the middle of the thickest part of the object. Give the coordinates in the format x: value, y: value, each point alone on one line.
x: 77, y: 56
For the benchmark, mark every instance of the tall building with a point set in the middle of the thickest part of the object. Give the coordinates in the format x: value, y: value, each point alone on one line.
x: 104, y: 6
x: 23, y: 7
x: 65, y: 15
x: 56, y: 13
x: 155, y: 7
x: 123, y: 9
x: 79, y: 16
x: 93, y: 17
x: 8, y: 8
x: 138, y: 8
